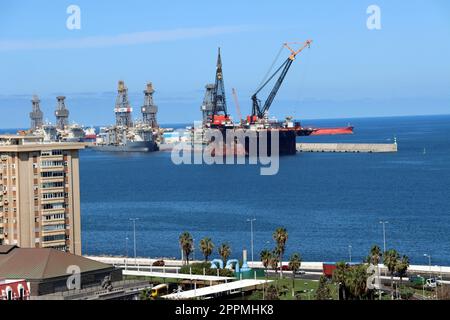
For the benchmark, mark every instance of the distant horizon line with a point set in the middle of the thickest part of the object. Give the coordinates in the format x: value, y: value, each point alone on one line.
x: 320, y: 119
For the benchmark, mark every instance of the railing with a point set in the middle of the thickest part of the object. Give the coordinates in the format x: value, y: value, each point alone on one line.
x: 96, y: 291
x: 145, y: 267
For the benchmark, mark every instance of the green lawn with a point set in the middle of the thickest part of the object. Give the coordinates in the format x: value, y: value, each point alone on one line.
x: 306, y: 288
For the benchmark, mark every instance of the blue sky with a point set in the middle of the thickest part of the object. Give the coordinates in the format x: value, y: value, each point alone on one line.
x: 350, y: 71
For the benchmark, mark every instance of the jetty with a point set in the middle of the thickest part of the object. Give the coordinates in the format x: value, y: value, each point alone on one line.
x: 347, y: 147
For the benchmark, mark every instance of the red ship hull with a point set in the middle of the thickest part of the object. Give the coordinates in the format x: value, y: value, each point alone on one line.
x: 331, y: 131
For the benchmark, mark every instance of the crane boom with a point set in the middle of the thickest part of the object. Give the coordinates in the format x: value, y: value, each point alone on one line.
x: 256, y: 103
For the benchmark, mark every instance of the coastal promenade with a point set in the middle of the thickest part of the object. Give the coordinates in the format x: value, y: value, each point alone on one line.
x: 311, y: 268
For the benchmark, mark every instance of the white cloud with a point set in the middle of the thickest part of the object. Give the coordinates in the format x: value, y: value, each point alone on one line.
x: 120, y: 39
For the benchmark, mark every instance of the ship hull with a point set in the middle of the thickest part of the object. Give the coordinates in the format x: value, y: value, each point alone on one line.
x: 137, y: 146
x: 331, y: 131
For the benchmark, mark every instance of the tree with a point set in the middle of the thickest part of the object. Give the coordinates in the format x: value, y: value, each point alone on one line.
x: 374, y: 255
x: 323, y: 291
x: 390, y: 261
x: 401, y: 267
x: 266, y: 258
x: 272, y: 293
x: 294, y: 264
x: 224, y: 251
x: 274, y: 261
x: 280, y: 236
x: 352, y: 280
x: 186, y: 244
x: 340, y: 278
x: 357, y: 281
x: 206, y: 247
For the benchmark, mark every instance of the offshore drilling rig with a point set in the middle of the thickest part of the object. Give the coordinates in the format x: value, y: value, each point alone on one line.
x: 208, y: 101
x: 122, y: 108
x: 126, y: 136
x: 61, y: 113
x: 258, y: 121
x: 214, y: 107
x: 36, y: 115
x: 149, y: 109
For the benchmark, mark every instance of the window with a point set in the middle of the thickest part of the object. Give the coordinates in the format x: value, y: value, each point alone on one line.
x: 52, y: 163
x: 57, y: 152
x: 56, y: 216
x: 52, y: 174
x: 53, y: 195
x: 57, y: 184
x: 53, y: 206
x: 54, y: 227
x: 55, y: 237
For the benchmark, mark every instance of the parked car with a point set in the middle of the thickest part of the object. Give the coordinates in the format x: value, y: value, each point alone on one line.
x: 158, y: 263
x: 417, y: 280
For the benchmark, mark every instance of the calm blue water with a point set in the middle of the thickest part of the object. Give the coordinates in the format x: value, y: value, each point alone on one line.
x: 326, y: 201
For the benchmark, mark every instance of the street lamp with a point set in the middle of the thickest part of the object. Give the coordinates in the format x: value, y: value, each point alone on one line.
x: 126, y: 247
x: 350, y: 252
x: 193, y: 249
x: 429, y: 260
x: 251, y: 235
x: 384, y: 234
x: 134, y: 237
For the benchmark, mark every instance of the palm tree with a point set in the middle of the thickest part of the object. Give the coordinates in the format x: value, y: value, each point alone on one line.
x: 375, y: 255
x: 294, y: 264
x: 266, y: 258
x: 206, y: 247
x: 186, y: 244
x: 224, y: 251
x: 323, y: 291
x: 356, y: 281
x: 274, y: 261
x: 340, y: 277
x: 401, y: 267
x: 390, y: 261
x: 280, y: 236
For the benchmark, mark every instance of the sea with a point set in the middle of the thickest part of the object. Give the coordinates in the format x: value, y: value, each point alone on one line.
x: 330, y: 203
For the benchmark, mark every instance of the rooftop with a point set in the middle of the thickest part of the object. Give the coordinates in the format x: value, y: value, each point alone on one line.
x: 42, y: 263
x: 17, y: 143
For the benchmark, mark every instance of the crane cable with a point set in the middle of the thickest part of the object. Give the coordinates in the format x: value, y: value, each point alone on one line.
x: 271, y: 66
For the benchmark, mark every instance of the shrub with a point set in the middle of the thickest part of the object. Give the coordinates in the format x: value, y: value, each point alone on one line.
x: 197, y: 268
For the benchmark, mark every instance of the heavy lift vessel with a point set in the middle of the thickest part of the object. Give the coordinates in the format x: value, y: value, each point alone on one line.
x: 288, y: 130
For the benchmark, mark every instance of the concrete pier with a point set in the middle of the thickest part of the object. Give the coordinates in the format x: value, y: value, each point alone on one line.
x: 347, y: 147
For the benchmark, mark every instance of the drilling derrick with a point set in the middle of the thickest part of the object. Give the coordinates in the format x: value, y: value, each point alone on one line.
x: 219, y: 102
x: 61, y: 113
x: 208, y: 101
x: 122, y: 108
x: 149, y: 109
x: 36, y: 115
